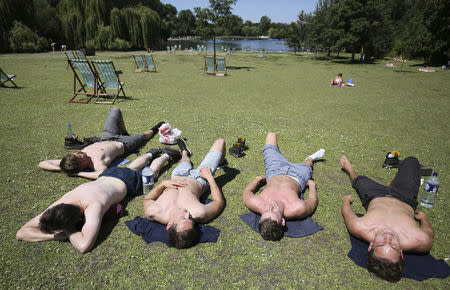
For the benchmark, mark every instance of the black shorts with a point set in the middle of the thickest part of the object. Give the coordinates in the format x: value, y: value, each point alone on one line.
x: 131, y: 178
x: 405, y: 187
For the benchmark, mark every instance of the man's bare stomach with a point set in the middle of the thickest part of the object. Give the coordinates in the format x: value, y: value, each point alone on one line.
x: 195, y: 188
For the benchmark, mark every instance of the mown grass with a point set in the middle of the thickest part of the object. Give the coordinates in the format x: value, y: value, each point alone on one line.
x: 283, y: 93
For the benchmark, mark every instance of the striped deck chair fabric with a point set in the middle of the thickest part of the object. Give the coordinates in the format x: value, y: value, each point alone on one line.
x: 110, y: 80
x: 150, y: 63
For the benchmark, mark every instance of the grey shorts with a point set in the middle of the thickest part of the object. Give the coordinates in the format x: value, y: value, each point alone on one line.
x: 277, y: 164
x: 112, y: 132
x: 185, y: 169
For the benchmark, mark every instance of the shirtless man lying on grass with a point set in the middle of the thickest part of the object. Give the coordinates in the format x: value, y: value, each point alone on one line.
x: 115, y: 142
x: 280, y: 198
x: 176, y: 202
x: 389, y: 224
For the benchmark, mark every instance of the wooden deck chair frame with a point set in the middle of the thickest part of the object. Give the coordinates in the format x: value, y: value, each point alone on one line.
x: 150, y: 64
x: 139, y: 62
x: 4, y: 78
x: 209, y: 67
x: 109, y: 77
x: 221, y: 67
x: 90, y: 80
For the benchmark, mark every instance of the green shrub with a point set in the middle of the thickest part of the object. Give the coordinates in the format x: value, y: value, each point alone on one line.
x: 22, y: 38
x: 120, y: 44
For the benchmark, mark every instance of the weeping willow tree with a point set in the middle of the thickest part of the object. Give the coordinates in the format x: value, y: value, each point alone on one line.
x: 138, y: 26
x: 4, y: 25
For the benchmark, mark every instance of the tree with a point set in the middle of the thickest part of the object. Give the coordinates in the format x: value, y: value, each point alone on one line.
x: 298, y: 31
x: 209, y: 20
x: 185, y: 23
x: 323, y: 32
x: 264, y: 25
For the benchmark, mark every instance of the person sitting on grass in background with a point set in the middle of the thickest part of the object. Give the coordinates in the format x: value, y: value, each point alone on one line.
x: 338, y: 80
x: 389, y: 224
x: 115, y: 142
x: 176, y: 202
x: 77, y: 215
x: 280, y: 198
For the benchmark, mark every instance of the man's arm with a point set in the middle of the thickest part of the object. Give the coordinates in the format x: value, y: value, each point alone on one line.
x: 31, y: 232
x: 350, y: 218
x: 312, y: 200
x: 50, y: 165
x: 248, y: 195
x: 425, y: 241
x: 213, y: 208
x: 84, y: 241
x: 92, y: 175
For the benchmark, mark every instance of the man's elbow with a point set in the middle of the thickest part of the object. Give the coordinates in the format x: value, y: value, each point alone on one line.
x: 20, y: 236
x: 83, y: 248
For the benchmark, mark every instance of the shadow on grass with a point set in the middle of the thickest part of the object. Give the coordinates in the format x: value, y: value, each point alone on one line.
x: 240, y: 67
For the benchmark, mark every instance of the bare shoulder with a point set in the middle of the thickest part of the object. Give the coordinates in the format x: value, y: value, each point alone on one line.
x: 295, y: 209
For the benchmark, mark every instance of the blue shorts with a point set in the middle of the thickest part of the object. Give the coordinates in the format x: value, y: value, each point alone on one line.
x: 185, y: 169
x: 131, y: 178
x: 277, y: 164
x: 112, y: 132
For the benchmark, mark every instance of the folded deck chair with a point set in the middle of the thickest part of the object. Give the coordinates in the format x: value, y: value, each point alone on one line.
x: 88, y: 80
x: 150, y: 63
x: 4, y: 78
x: 209, y: 65
x: 81, y: 55
x: 221, y: 67
x: 140, y: 63
x: 110, y: 80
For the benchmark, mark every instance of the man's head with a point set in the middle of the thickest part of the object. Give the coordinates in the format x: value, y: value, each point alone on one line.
x: 63, y: 216
x: 340, y: 75
x: 182, y: 233
x: 73, y: 163
x: 385, y: 256
x: 272, y: 222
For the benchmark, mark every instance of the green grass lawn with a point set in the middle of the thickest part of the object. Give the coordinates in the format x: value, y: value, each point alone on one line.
x: 287, y: 94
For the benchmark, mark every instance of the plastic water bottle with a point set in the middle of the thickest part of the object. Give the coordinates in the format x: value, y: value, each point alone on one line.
x: 69, y: 131
x: 430, y: 191
x: 147, y: 179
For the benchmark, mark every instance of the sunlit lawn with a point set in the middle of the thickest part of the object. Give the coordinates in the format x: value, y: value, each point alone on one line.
x: 287, y: 94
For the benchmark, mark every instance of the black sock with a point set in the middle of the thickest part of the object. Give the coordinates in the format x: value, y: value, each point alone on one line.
x: 156, y: 127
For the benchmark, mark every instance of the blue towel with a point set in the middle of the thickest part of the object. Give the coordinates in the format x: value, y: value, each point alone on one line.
x: 417, y: 267
x: 293, y: 229
x: 152, y: 231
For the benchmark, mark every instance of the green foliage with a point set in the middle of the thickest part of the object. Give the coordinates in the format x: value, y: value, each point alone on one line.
x: 120, y: 44
x: 22, y: 38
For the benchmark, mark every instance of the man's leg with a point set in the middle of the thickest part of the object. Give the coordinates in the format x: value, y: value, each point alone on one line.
x: 150, y: 133
x: 318, y: 154
x: 271, y: 139
x: 219, y: 145
x: 348, y: 168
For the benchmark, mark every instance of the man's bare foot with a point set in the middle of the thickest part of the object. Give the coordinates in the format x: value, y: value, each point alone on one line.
x: 345, y: 163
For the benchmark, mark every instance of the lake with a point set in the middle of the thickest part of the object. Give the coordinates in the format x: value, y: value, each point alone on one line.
x: 242, y: 44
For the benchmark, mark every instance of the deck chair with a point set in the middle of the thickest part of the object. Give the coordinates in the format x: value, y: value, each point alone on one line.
x: 71, y: 55
x: 88, y: 79
x: 209, y: 65
x: 4, y: 78
x: 140, y: 63
x: 221, y: 70
x: 150, y: 63
x: 109, y: 79
x: 81, y: 55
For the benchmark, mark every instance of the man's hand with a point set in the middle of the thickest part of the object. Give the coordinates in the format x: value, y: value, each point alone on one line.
x: 173, y: 184
x: 420, y: 215
x: 61, y: 236
x: 348, y: 199
x: 311, y: 183
x: 205, y: 172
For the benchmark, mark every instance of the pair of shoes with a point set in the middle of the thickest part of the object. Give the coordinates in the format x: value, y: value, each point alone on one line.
x: 154, y: 151
x: 237, y: 150
x: 72, y: 142
x: 174, y: 154
x: 392, y: 160
x: 183, y: 147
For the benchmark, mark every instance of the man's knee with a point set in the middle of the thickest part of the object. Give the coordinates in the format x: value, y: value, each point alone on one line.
x: 219, y: 144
